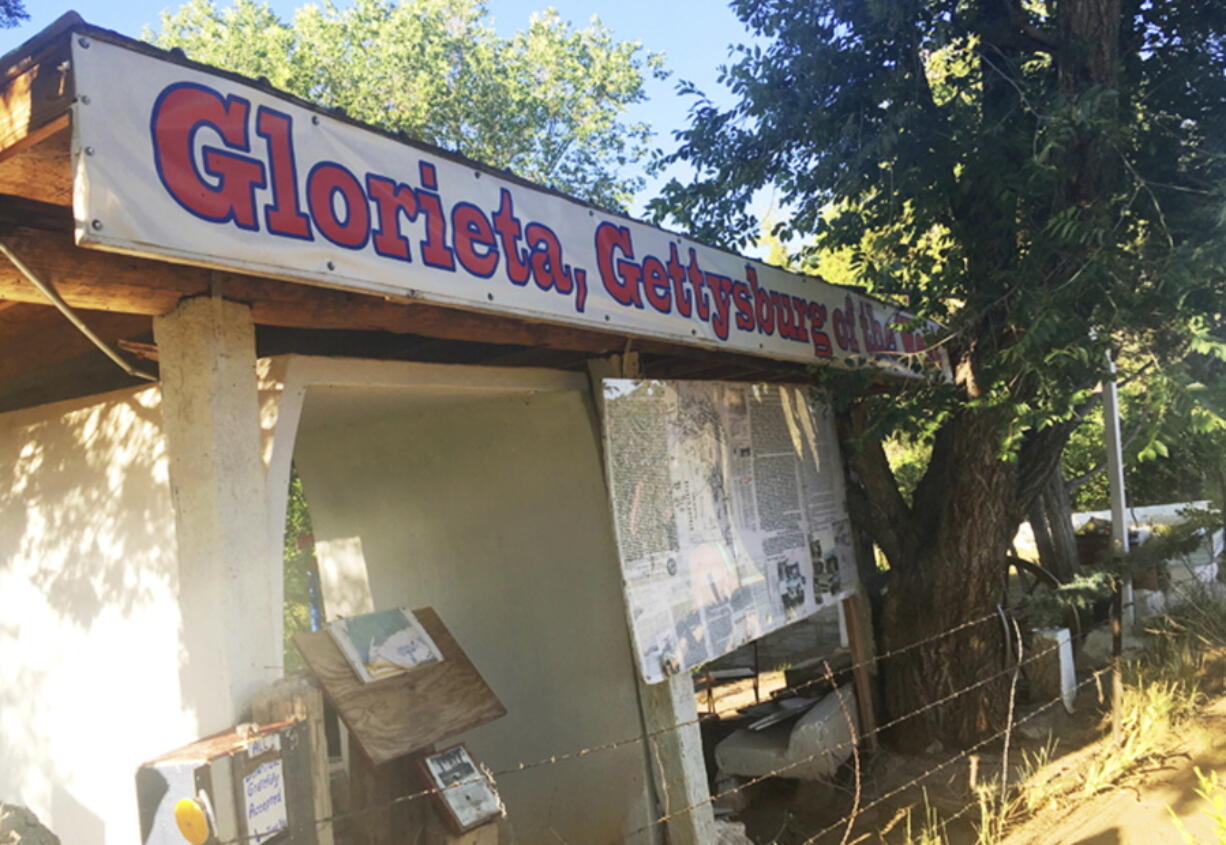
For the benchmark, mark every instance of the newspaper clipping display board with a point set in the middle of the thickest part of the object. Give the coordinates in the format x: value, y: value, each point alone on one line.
x: 729, y: 508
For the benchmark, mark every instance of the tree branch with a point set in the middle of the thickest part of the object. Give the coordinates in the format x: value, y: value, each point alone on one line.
x: 1072, y: 485
x: 1037, y: 460
x: 1039, y: 39
x: 873, y: 492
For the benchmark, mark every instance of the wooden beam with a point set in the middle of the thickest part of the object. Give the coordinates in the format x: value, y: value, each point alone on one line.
x: 22, y: 212
x: 35, y: 93
x: 107, y: 282
x: 58, y: 128
x: 101, y: 281
x: 33, y: 337
x: 41, y: 169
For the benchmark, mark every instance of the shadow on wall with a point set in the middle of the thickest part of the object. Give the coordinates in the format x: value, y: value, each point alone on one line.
x: 68, y: 812
x: 88, y: 595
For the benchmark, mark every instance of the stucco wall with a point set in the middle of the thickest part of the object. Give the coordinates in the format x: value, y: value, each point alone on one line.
x: 494, y: 512
x: 91, y: 665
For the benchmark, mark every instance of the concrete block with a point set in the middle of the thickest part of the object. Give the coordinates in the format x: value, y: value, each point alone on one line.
x: 812, y: 748
x: 1053, y: 675
x: 731, y: 833
x: 1096, y: 651
x: 1149, y: 603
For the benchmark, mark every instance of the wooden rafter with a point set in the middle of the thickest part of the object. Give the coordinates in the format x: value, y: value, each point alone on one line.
x: 35, y: 95
x: 33, y: 337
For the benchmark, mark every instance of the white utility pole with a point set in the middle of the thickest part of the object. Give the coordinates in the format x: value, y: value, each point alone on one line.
x: 1115, y: 478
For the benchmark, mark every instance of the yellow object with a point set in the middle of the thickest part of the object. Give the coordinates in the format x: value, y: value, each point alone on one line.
x: 193, y: 823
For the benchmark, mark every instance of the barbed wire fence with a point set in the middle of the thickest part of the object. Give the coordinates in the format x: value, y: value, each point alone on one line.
x: 857, y: 737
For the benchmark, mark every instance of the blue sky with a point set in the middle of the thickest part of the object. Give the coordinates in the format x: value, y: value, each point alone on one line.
x: 694, y: 36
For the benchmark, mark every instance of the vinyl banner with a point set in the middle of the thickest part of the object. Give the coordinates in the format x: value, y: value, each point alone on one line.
x: 728, y: 503
x: 198, y: 167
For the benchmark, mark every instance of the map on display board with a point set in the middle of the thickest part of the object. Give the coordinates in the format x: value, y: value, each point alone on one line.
x: 729, y: 509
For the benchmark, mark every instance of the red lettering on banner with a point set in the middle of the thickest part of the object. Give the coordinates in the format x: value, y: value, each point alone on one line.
x: 845, y: 326
x: 548, y: 271
x: 817, y: 322
x: 763, y: 313
x: 507, y: 226
x: 474, y: 240
x: 180, y: 112
x: 676, y: 272
x: 611, y: 238
x: 657, y: 285
x: 283, y: 216
x: 202, y: 150
x: 434, y: 249
x: 327, y: 182
x: 392, y: 199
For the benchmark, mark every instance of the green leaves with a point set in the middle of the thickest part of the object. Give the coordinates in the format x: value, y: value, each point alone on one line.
x: 547, y: 103
x: 1042, y: 204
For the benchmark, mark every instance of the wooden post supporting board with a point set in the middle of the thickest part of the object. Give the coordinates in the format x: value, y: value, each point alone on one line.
x: 297, y: 698
x: 678, y: 768
x: 858, y: 616
x: 378, y: 813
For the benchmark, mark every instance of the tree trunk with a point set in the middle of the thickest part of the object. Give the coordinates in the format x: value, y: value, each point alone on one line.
x: 949, y: 571
x: 1051, y: 520
x: 947, y: 548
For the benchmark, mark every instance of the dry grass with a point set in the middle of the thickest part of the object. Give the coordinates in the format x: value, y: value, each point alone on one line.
x: 1162, y: 691
x: 1212, y: 791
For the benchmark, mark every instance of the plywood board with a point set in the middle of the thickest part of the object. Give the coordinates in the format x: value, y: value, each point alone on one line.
x: 397, y: 716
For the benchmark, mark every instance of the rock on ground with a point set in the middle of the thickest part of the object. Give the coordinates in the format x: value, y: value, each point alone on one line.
x: 731, y: 833
x: 1096, y: 651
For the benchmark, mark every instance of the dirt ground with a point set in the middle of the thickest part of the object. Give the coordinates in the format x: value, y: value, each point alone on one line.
x: 1137, y: 812
x: 1132, y: 812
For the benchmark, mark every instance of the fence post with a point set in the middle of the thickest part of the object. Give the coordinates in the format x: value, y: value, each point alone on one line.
x: 858, y: 616
x: 1117, y: 660
x: 297, y: 698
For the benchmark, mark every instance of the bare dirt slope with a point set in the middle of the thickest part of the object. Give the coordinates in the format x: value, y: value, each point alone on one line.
x: 1136, y: 813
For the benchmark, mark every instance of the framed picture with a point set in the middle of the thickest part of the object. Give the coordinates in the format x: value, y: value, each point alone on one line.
x: 467, y: 797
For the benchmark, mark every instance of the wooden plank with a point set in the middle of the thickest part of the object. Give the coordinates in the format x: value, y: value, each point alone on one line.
x: 40, y: 169
x: 109, y: 282
x: 298, y: 699
x: 57, y: 129
x: 33, y: 337
x: 397, y: 716
x: 22, y: 212
x: 858, y: 616
x: 35, y: 94
x: 375, y: 815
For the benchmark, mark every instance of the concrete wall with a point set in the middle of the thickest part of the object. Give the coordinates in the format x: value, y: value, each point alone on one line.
x: 493, y: 510
x: 92, y: 667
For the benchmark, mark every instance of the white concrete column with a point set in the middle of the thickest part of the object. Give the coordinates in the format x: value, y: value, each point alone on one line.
x: 230, y: 586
